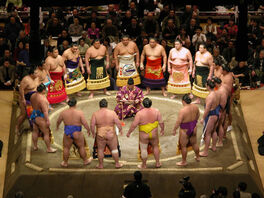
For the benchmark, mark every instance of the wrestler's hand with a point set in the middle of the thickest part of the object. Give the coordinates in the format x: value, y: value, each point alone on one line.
x: 82, y: 70
x: 65, y: 76
x: 169, y: 70
x: 107, y: 66
x: 174, y: 132
x: 89, y: 71
x: 164, y: 68
x: 141, y: 66
x: 137, y: 65
x: 193, y: 74
x: 162, y: 132
x: 121, y: 132
x: 52, y: 82
x: 24, y: 102
x: 128, y: 135
x: 48, y: 122
x: 202, y: 121
x: 209, y: 78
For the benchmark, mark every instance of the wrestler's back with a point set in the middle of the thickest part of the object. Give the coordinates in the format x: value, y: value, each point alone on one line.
x: 190, y: 113
x: 222, y: 92
x: 214, y: 98
x: 39, y: 101
x: 30, y: 84
x: 148, y: 115
x: 105, y: 117
x: 72, y: 117
x: 42, y: 74
x: 228, y: 80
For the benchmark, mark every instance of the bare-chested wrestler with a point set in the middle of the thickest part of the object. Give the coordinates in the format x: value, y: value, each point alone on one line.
x: 218, y: 71
x: 148, y: 120
x: 180, y: 65
x: 73, y: 120
x: 95, y: 59
x: 126, y: 67
x: 202, y: 71
x: 105, y: 120
x: 28, y: 86
x: 43, y: 75
x: 54, y: 64
x: 74, y: 82
x: 187, y: 120
x: 40, y: 118
x: 222, y: 91
x: 156, y: 55
x: 210, y: 118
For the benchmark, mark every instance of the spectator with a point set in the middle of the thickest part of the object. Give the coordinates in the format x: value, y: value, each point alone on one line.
x: 184, y: 37
x: 17, y: 50
x: 54, y: 29
x: 94, y: 19
x: 187, y: 190
x: 82, y: 47
x: 7, y: 75
x: 12, y: 30
x: 187, y: 14
x: 44, y: 49
x: 3, y: 46
x: 16, y: 3
x: 164, y: 13
x: 93, y: 32
x: 241, y: 72
x: 19, y: 195
x: 137, y: 188
x: 7, y: 55
x: 112, y: 14
x: 145, y: 5
x: 64, y: 36
x: 221, y: 192
x: 166, y: 47
x: 75, y: 14
x: 126, y: 21
x: 23, y: 59
x: 170, y: 32
x: 65, y: 45
x: 254, y: 32
x: 231, y: 28
x: 222, y: 39
x: 198, y: 38
x: 260, y: 47
x: 133, y: 30
x: 22, y: 37
x: 229, y: 52
x: 151, y: 26
x: 133, y: 9
x: 242, y: 187
x: 75, y: 29
x: 86, y: 38
x: 175, y: 19
x: 110, y: 30
x: 210, y: 29
x: 191, y: 27
x: 216, y: 55
x: 258, y: 69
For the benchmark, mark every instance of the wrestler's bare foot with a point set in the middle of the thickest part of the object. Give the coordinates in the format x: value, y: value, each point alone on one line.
x: 141, y: 166
x: 63, y: 103
x: 158, y: 165
x: 197, y: 101
x: 64, y: 164
x: 99, y: 166
x: 203, y: 154
x: 79, y: 94
x: 173, y: 96
x: 218, y: 145
x: 17, y: 131
x: 107, y: 93
x: 181, y: 163
x: 88, y: 161
x: 164, y: 94
x: 51, y: 150
x: 91, y: 96
x: 146, y: 93
x: 212, y: 148
x: 119, y: 165
x: 191, y: 95
x: 197, y: 158
x: 35, y: 148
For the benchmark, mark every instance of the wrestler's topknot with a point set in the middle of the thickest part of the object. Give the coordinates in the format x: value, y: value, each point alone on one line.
x: 186, y: 98
x: 211, y: 84
x: 72, y: 102
x: 41, y: 88
x: 147, y: 103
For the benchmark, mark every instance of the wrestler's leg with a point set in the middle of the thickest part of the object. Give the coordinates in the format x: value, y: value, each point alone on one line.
x: 112, y: 143
x: 101, y: 143
x: 21, y: 118
x: 143, y: 143
x: 79, y: 141
x: 67, y: 142
x: 163, y: 89
x: 155, y: 144
x: 221, y: 130
x: 208, y: 133
x: 106, y: 92
x: 195, y: 146
x: 46, y: 131
x: 183, y: 142
x: 35, y: 136
x: 91, y: 94
x: 230, y: 118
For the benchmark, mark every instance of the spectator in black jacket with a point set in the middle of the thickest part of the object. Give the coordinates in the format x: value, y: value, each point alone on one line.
x: 241, y: 71
x: 258, y: 69
x: 133, y: 30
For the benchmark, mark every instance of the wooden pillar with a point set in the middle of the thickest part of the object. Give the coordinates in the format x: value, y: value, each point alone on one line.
x: 34, y: 43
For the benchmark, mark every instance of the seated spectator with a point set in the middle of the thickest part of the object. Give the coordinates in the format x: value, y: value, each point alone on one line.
x: 210, y: 29
x: 210, y: 44
x: 22, y: 37
x: 55, y: 28
x: 16, y: 3
x: 133, y: 30
x: 82, y: 47
x: 62, y: 47
x: 7, y: 75
x: 187, y: 15
x: 145, y: 5
x: 174, y: 18
x: 94, y: 19
x: 229, y: 52
x: 164, y: 13
x: 198, y: 38
x: 170, y: 32
x: 3, y: 46
x: 113, y: 15
x: 258, y: 69
x: 126, y: 21
x: 17, y: 50
x: 137, y: 188
x: 260, y: 47
x: 151, y: 26
x: 86, y: 38
x: 142, y: 42
x: 44, y: 49
x: 242, y: 187
x: 75, y: 14
x: 133, y: 9
x: 64, y: 36
x: 191, y: 27
x: 7, y: 55
x: 184, y: 37
x: 23, y: 56
x: 254, y: 32
x: 216, y: 55
x: 222, y: 39
x: 110, y: 30
x: 241, y: 71
x: 93, y: 31
x: 166, y: 47
x: 12, y: 29
x: 231, y: 28
x: 75, y: 29
x: 221, y: 192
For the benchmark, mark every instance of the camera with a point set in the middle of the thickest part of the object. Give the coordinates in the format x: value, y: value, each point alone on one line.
x: 187, y: 190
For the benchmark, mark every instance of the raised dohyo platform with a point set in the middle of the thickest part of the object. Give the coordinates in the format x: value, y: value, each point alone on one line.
x: 38, y: 173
